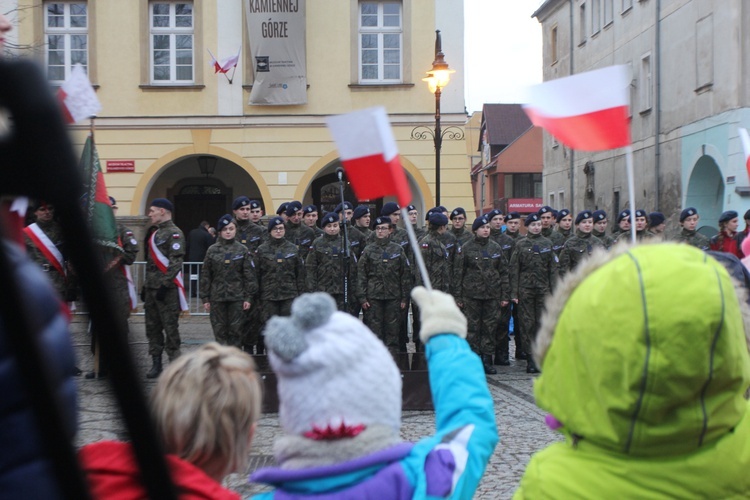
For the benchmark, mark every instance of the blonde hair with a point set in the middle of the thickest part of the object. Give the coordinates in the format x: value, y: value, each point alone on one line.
x: 205, y: 405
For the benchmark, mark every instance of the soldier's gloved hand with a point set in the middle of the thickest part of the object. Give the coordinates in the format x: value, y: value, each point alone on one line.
x: 161, y: 293
x: 439, y: 314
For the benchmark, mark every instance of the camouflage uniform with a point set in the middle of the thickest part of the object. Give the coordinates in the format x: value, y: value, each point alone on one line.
x: 513, y: 235
x: 439, y: 271
x: 606, y: 240
x: 694, y: 238
x: 164, y: 314
x: 480, y: 282
x: 60, y: 282
x: 558, y: 237
x: 227, y: 281
x: 324, y: 269
x: 533, y: 271
x: 301, y: 235
x: 577, y: 249
x: 502, y: 345
x: 366, y: 231
x: 462, y: 235
x: 383, y: 278
x: 639, y: 235
x: 251, y: 235
x: 281, y: 276
x: 357, y: 240
x: 419, y: 232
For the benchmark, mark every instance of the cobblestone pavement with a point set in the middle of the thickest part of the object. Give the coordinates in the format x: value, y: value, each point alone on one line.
x: 520, y: 422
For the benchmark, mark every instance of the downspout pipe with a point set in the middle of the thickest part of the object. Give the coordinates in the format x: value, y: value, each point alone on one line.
x: 572, y: 151
x: 657, y: 103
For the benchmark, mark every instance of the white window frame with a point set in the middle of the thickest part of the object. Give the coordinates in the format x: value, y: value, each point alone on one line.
x: 596, y: 16
x: 67, y: 32
x: 582, y: 23
x: 380, y: 31
x: 646, y: 83
x: 173, y: 32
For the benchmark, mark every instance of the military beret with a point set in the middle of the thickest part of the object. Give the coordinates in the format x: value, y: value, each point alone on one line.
x: 458, y: 211
x: 531, y: 218
x: 545, y: 209
x: 583, y: 216
x: 163, y: 203
x: 275, y: 221
x: 747, y: 215
x: 389, y: 208
x: 308, y: 209
x: 562, y: 213
x: 239, y: 202
x: 512, y: 216
x: 438, y: 219
x: 112, y: 202
x: 254, y: 204
x: 494, y: 213
x: 293, y: 207
x: 479, y: 222
x: 656, y: 218
x: 625, y: 214
x: 282, y: 208
x: 431, y: 211
x: 360, y: 212
x: 640, y: 213
x: 409, y: 208
x: 727, y: 216
x: 328, y: 218
x: 599, y: 215
x: 343, y: 206
x: 441, y: 209
x: 383, y: 220
x: 224, y: 221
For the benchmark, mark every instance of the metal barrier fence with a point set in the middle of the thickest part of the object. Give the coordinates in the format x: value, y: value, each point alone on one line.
x: 191, y: 273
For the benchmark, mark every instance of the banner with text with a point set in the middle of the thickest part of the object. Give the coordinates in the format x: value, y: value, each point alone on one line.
x: 276, y: 31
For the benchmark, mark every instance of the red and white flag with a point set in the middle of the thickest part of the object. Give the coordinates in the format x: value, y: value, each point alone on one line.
x: 587, y: 111
x: 368, y: 152
x: 745, y: 147
x: 77, y: 96
x: 226, y: 64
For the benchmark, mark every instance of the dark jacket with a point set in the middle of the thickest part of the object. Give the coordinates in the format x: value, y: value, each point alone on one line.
x: 199, y: 239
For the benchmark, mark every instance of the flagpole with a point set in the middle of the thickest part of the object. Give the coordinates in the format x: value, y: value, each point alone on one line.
x: 631, y: 189
x: 415, y: 248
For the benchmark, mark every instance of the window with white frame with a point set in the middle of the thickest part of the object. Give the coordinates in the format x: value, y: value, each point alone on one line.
x: 380, y: 42
x: 596, y: 19
x: 66, y: 34
x: 172, y: 36
x: 582, y: 23
x: 645, y: 83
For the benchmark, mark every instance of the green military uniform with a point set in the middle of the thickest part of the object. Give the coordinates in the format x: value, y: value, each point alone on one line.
x: 357, y: 239
x: 694, y: 238
x: 324, y: 268
x: 435, y: 257
x: 480, y: 283
x: 251, y: 235
x: 639, y: 235
x: 507, y: 244
x: 383, y: 280
x: 301, y: 235
x: 281, y: 276
x: 533, y: 271
x: 419, y: 232
x: 606, y: 240
x: 576, y: 249
x: 515, y: 235
x: 558, y: 238
x: 61, y: 281
x: 162, y: 315
x: 462, y: 235
x: 227, y: 281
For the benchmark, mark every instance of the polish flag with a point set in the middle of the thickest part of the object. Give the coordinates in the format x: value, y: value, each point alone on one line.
x: 368, y: 152
x: 225, y: 65
x: 746, y: 148
x: 587, y: 111
x: 77, y: 97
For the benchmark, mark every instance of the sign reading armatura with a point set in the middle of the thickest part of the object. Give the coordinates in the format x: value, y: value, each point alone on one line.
x: 276, y: 29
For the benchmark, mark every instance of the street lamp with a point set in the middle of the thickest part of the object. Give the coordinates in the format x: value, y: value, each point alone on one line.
x: 207, y: 165
x: 437, y: 78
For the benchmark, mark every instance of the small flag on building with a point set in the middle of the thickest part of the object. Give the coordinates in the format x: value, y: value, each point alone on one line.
x: 226, y: 64
x: 587, y: 111
x: 77, y: 97
x: 368, y: 152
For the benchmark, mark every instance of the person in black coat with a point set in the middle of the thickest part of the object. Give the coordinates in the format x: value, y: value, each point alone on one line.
x: 198, y: 242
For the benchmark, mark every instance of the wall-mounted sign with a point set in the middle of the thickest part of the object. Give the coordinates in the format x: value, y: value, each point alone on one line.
x: 120, y: 166
x: 524, y: 205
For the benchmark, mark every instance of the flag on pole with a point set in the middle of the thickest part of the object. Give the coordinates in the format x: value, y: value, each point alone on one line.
x: 587, y: 111
x: 746, y: 148
x: 226, y: 64
x: 96, y: 200
x: 368, y: 152
x: 77, y: 97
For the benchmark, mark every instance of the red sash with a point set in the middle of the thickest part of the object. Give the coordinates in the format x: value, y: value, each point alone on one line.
x: 161, y: 264
x: 45, y: 245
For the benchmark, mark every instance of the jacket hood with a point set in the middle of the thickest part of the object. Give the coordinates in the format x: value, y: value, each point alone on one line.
x: 666, y: 370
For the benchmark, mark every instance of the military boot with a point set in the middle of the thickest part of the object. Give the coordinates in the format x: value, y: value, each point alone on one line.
x: 155, y: 367
x: 487, y: 362
x: 531, y: 366
x: 501, y: 353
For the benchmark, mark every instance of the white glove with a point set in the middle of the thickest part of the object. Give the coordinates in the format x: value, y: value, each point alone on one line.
x: 439, y: 314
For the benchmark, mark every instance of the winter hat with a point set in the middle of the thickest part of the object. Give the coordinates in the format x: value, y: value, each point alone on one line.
x: 599, y: 215
x: 656, y: 218
x: 531, y: 218
x: 308, y: 209
x: 727, y: 216
x: 343, y: 206
x: 239, y: 202
x: 275, y: 221
x: 562, y: 213
x: 389, y: 208
x: 360, y: 212
x: 438, y: 219
x: 224, y: 221
x: 328, y: 218
x: 583, y: 216
x: 293, y: 207
x: 480, y: 221
x: 282, y: 208
x: 625, y: 214
x: 162, y: 203
x: 458, y: 211
x: 335, y: 377
x: 512, y: 216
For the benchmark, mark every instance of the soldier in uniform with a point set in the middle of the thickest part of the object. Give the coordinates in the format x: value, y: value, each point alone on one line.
x: 296, y: 232
x: 458, y: 223
x: 357, y: 239
x: 310, y: 219
x: 533, y: 271
x: 600, y: 228
x: 507, y: 244
x: 623, y: 224
x: 657, y: 223
x: 163, y: 293
x: 361, y: 217
x: 580, y: 245
x: 280, y: 271
x: 281, y: 211
x: 45, y: 246
x: 727, y: 240
x: 256, y: 213
x: 641, y: 221
x: 324, y: 267
x: 481, y: 288
x: 564, y: 228
x: 413, y: 220
x: 228, y: 284
x: 383, y: 283
x: 689, y: 221
x: 547, y: 217
x: 513, y: 225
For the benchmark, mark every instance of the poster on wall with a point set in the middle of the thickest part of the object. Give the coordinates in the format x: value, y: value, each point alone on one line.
x: 276, y: 32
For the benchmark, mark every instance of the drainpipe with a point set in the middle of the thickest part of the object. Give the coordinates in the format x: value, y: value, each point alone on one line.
x: 657, y: 103
x: 572, y: 151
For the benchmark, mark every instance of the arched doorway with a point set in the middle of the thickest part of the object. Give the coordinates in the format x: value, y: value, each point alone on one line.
x: 705, y: 191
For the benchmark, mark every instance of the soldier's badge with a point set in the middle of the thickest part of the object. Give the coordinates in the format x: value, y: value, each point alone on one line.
x: 458, y: 249
x: 425, y: 245
x: 176, y: 246
x: 176, y: 236
x: 556, y: 259
x: 133, y: 241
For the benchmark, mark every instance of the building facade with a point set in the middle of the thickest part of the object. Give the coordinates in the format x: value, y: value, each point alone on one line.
x: 690, y: 62
x: 166, y: 113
